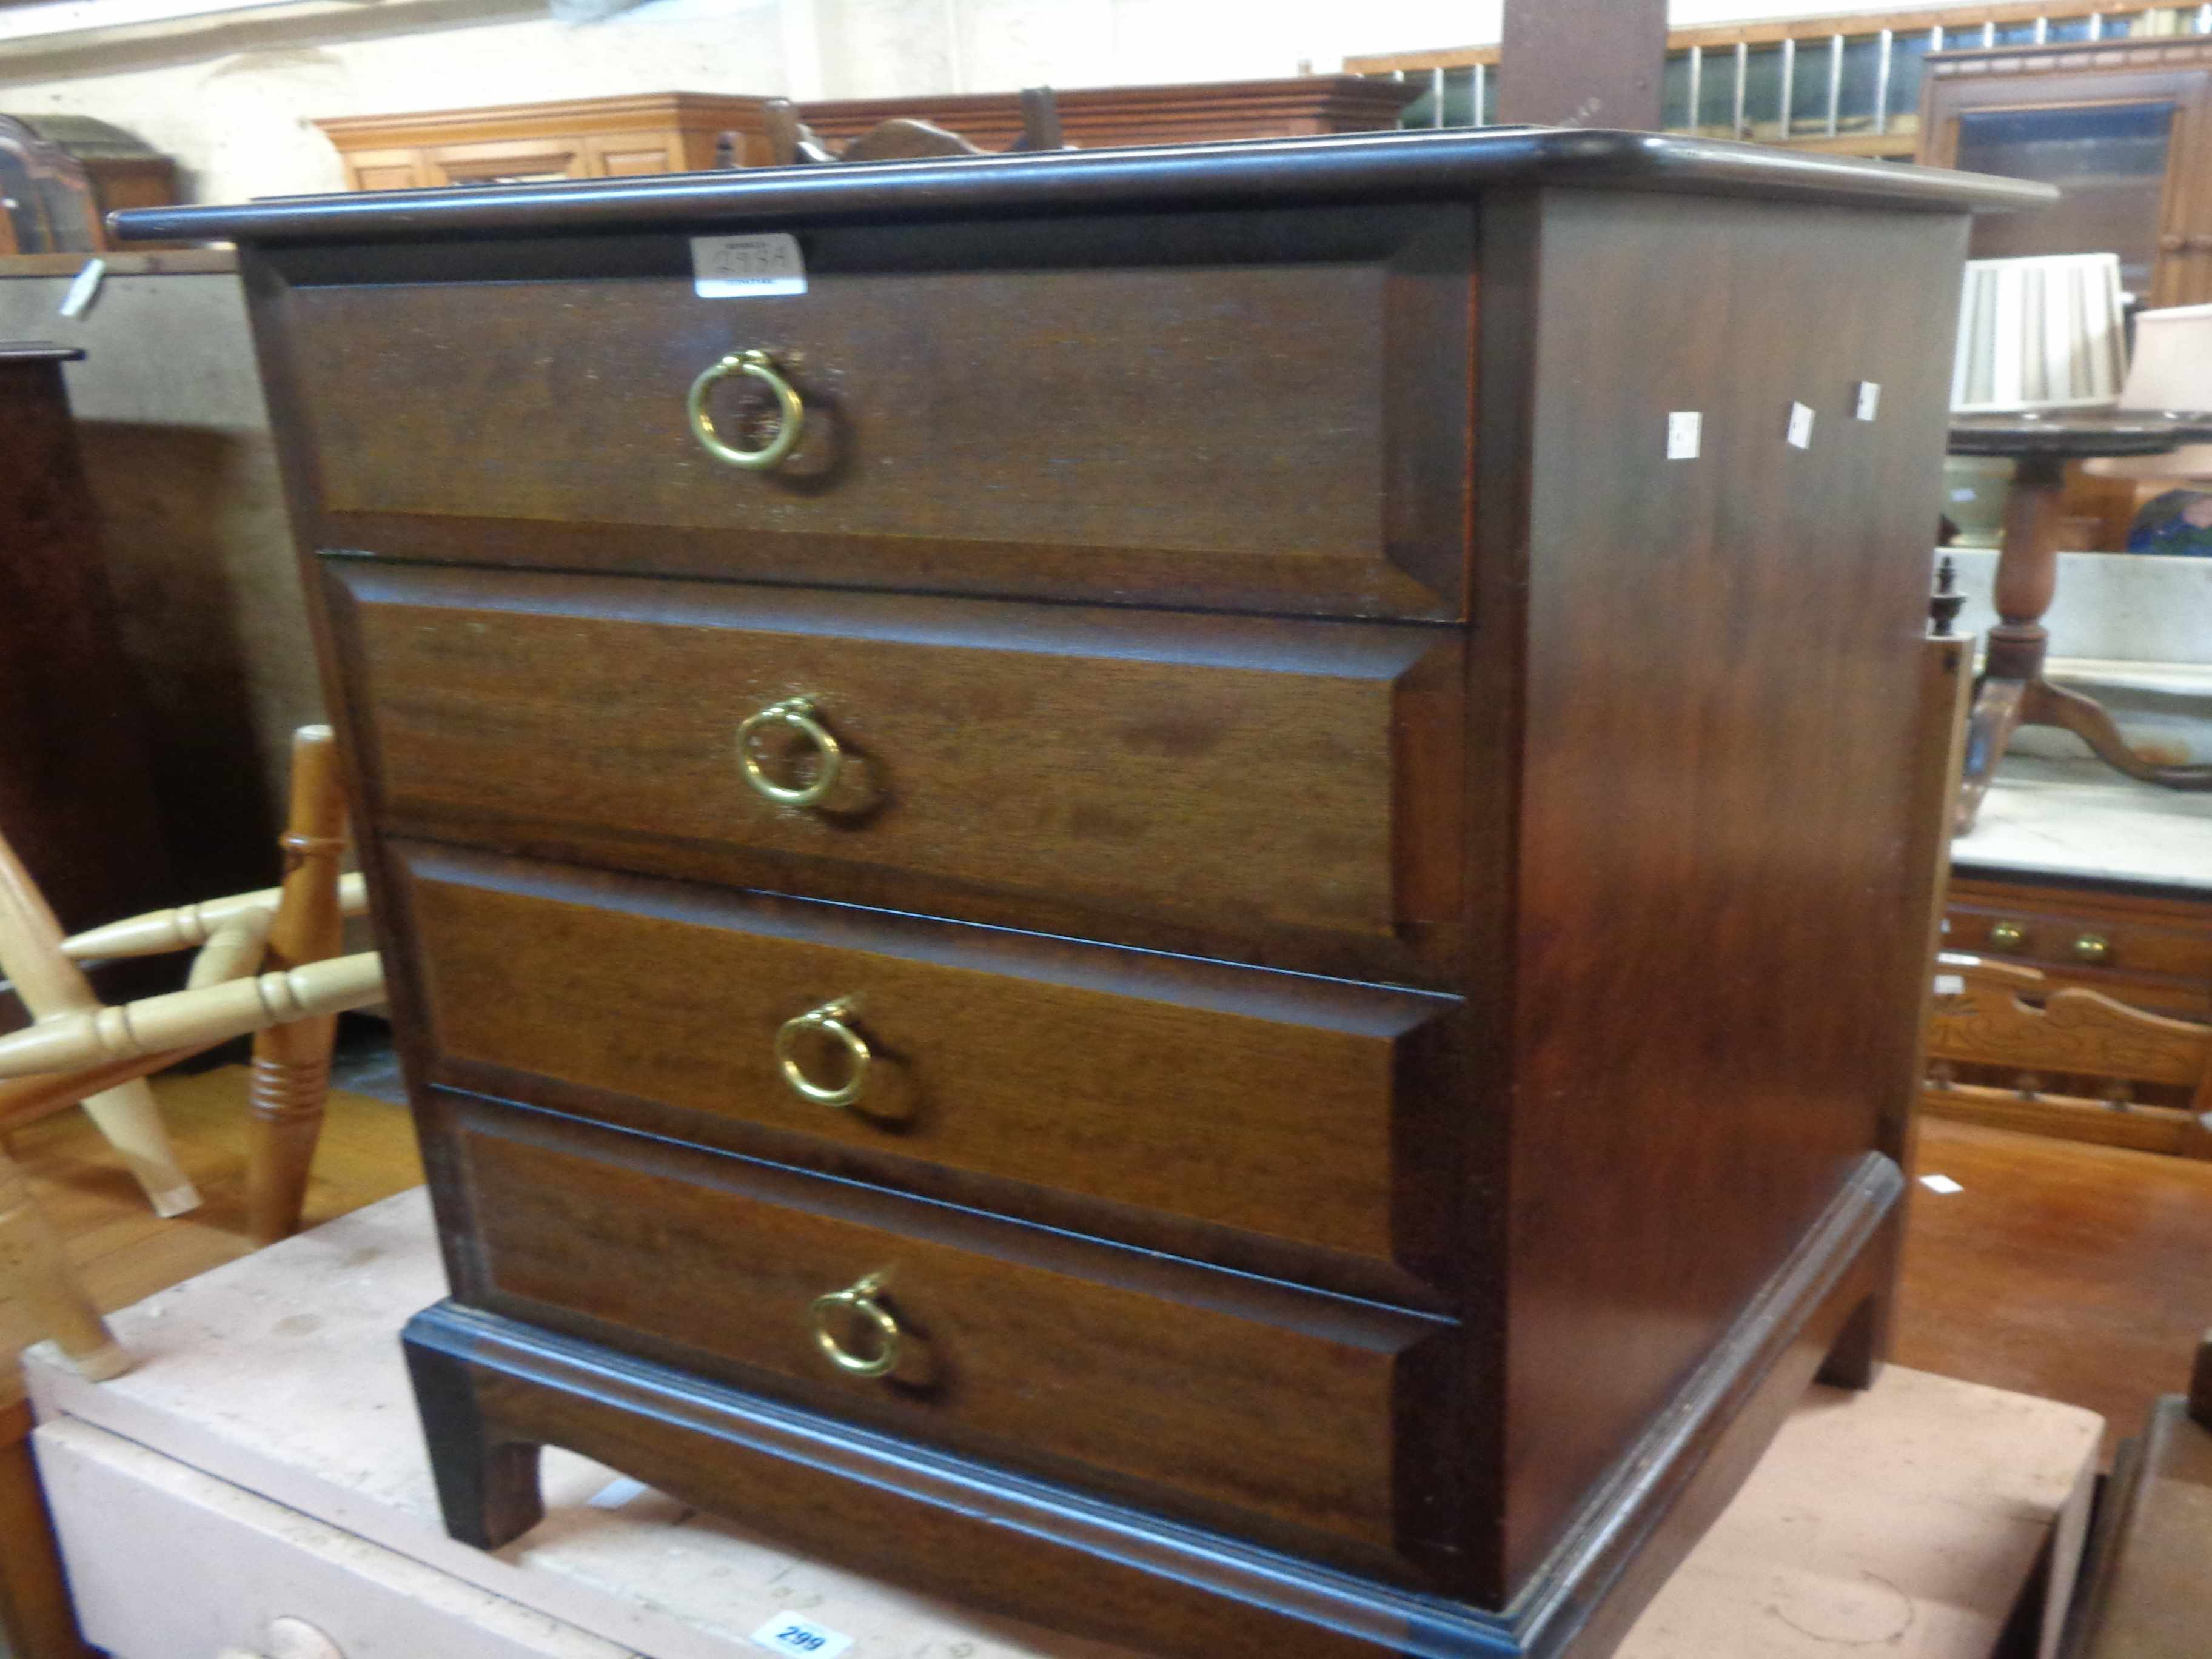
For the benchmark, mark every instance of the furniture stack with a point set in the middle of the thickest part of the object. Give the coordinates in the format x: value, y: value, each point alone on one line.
x: 1074, y: 909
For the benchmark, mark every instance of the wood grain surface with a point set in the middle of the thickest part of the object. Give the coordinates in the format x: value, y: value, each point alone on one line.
x: 1278, y: 790
x: 1269, y: 407
x: 1201, y: 1391
x: 1722, y: 888
x: 1305, y: 1110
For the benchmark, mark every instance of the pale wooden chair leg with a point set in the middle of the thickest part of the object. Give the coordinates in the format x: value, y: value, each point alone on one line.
x: 292, y: 1063
x: 49, y: 986
x: 33, y: 1266
x: 130, y: 1119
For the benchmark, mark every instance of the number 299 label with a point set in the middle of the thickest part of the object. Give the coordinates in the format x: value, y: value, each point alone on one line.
x: 788, y: 1633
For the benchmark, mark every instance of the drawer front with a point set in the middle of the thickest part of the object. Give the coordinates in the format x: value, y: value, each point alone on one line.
x: 1218, y: 1396
x: 1286, y: 791
x: 1266, y: 1103
x: 1257, y: 410
x: 2157, y: 956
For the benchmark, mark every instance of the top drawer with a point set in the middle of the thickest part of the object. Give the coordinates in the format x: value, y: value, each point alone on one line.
x: 2154, y: 952
x: 1240, y: 410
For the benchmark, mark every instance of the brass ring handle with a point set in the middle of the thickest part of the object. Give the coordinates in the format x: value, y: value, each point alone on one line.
x: 830, y: 1020
x: 860, y: 1300
x: 797, y: 712
x: 761, y: 367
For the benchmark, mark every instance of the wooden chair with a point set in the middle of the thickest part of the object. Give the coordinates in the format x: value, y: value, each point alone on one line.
x: 267, y: 964
x: 792, y: 143
x: 2081, y: 1055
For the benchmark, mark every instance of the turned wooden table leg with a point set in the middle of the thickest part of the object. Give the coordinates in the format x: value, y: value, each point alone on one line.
x: 2013, y: 692
x: 2027, y: 578
x: 292, y: 1063
x: 51, y: 985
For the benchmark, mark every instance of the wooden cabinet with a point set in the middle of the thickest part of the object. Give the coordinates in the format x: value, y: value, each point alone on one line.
x: 578, y: 138
x: 1078, y: 918
x: 1100, y: 118
x: 62, y: 175
x: 2124, y: 127
x: 2112, y: 1081
x: 77, y: 790
x: 682, y: 132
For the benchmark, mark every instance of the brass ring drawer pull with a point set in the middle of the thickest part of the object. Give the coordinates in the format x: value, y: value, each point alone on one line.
x: 2091, y: 947
x: 798, y: 712
x: 761, y: 367
x: 830, y: 1020
x: 859, y: 1300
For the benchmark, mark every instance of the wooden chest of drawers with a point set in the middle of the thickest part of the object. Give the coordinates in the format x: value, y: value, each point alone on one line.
x: 2126, y: 1082
x: 1227, y: 968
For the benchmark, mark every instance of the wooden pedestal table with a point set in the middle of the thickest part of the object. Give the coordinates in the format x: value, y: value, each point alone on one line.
x: 2013, y: 692
x: 262, y: 1464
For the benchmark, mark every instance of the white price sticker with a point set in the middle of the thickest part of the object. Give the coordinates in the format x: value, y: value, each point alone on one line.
x: 746, y: 267
x: 1684, y: 427
x: 789, y: 1634
x: 1800, y: 427
x: 1867, y: 401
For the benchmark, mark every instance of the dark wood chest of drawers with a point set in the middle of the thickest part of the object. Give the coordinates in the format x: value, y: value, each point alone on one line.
x: 2126, y: 1075
x: 1226, y: 970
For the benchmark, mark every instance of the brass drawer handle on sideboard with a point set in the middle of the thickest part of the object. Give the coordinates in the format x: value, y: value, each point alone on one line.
x: 798, y: 714
x: 831, y: 1019
x: 2007, y: 936
x: 2091, y: 947
x: 857, y: 1301
x: 761, y: 367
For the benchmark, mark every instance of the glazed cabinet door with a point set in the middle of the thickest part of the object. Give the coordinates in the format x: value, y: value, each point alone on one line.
x: 2127, y: 148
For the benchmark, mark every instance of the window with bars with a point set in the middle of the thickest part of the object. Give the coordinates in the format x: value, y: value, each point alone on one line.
x: 1834, y: 82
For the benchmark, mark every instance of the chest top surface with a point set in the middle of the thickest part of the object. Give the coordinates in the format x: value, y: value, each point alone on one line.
x: 1365, y: 169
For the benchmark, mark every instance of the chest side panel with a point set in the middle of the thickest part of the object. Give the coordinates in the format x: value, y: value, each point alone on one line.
x: 1718, y: 960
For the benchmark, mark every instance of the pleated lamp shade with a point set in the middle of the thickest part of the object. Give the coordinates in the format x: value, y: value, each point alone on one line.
x: 2040, y: 333
x: 2171, y: 370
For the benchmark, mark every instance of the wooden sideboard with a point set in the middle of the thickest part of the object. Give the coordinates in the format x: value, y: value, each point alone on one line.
x: 1074, y: 913
x: 682, y: 132
x: 575, y: 138
x: 2147, y: 950
x: 1100, y: 118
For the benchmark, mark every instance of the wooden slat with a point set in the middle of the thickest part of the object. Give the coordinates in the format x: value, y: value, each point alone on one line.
x: 2144, y: 1128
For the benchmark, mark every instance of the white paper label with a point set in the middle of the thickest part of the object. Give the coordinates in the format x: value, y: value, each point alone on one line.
x: 1940, y: 1183
x: 746, y: 267
x: 1869, y: 400
x: 78, y: 300
x: 789, y: 1634
x: 1683, y: 426
x: 1950, y: 985
x: 1800, y: 427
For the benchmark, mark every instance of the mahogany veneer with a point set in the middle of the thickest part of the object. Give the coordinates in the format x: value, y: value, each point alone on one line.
x: 1387, y: 918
